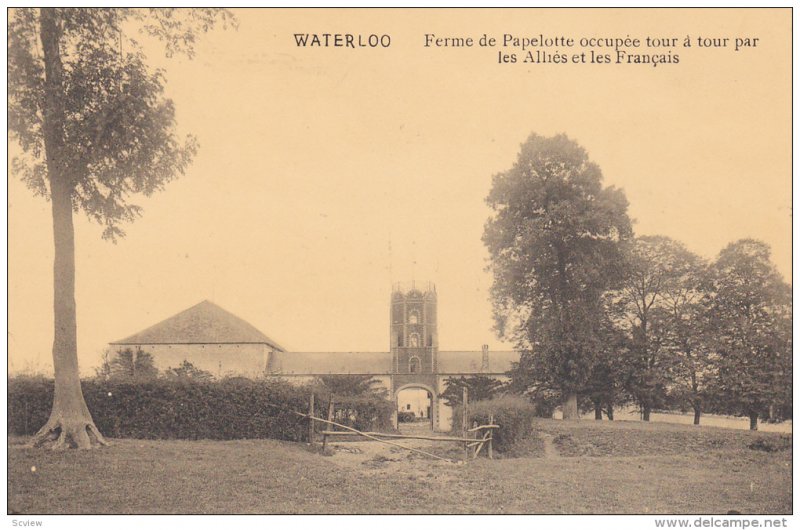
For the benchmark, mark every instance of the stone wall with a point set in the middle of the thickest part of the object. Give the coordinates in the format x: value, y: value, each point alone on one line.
x: 247, y: 360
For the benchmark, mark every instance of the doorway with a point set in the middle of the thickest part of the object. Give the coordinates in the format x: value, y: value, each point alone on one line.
x: 415, y: 409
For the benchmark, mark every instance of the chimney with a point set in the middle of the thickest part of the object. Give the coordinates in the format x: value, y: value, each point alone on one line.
x: 485, y: 358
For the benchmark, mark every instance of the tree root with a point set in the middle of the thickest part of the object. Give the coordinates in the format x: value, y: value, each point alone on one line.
x: 63, y: 434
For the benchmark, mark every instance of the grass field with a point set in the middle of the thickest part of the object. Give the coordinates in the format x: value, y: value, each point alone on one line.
x: 576, y: 467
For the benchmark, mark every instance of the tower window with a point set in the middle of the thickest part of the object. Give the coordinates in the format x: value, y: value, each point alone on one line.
x: 413, y: 340
x: 413, y: 317
x: 400, y: 339
x: 413, y: 365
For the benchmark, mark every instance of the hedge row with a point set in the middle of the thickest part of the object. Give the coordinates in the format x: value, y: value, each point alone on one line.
x: 513, y: 414
x: 169, y: 409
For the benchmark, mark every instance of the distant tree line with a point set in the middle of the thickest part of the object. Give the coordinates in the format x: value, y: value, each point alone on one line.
x: 604, y: 318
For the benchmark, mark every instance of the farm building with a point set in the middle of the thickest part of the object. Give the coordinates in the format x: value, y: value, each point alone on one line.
x: 217, y: 341
x: 207, y: 336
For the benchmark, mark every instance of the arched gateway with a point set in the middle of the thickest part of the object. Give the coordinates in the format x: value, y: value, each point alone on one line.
x: 413, y: 360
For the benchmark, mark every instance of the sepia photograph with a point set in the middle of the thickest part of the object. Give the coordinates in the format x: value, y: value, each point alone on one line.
x: 394, y: 261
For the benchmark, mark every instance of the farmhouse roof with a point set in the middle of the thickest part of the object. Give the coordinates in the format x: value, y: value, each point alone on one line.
x: 470, y: 362
x: 204, y: 323
x: 324, y: 363
x: 378, y: 363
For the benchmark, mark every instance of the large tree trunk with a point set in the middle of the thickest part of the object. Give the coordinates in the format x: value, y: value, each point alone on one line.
x: 646, y: 413
x: 610, y: 412
x: 754, y: 421
x: 569, y: 407
x: 598, y: 410
x: 696, y: 407
x: 70, y: 423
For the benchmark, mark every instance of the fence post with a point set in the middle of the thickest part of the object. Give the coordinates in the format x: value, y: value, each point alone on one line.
x: 330, y: 418
x: 311, y: 420
x: 465, y: 420
x: 491, y: 436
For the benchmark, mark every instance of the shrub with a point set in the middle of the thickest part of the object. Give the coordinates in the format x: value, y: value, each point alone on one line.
x: 189, y: 409
x: 771, y: 445
x: 365, y: 413
x: 513, y: 414
x: 29, y: 402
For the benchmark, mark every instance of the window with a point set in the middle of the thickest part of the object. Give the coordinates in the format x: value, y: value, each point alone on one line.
x: 413, y: 365
x: 413, y: 340
x: 413, y: 317
x: 400, y: 340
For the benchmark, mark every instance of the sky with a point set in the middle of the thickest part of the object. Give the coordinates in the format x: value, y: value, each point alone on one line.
x: 326, y: 174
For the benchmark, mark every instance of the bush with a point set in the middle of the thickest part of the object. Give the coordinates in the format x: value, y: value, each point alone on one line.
x: 29, y: 402
x: 365, y: 413
x: 771, y: 445
x: 187, y: 409
x: 513, y: 414
x: 406, y: 416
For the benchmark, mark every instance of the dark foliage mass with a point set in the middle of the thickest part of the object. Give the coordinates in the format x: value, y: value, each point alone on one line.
x: 349, y: 385
x: 191, y: 409
x: 480, y: 387
x: 555, y: 244
x: 513, y: 414
x: 603, y: 319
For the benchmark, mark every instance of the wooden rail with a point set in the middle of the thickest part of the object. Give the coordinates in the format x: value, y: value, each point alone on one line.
x: 400, y: 436
x: 484, y: 434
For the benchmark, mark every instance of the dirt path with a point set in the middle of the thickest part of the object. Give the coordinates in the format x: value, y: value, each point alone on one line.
x: 550, y: 450
x: 375, y: 458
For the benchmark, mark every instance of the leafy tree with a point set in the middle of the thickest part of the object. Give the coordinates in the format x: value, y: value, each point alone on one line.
x: 480, y: 387
x: 95, y: 129
x: 750, y: 311
x: 606, y: 389
x: 687, y: 320
x: 104, y: 370
x: 132, y: 365
x: 526, y: 379
x: 554, y: 242
x: 655, y: 267
x: 187, y: 370
x: 350, y: 385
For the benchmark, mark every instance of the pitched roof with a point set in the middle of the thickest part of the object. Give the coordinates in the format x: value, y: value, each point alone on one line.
x: 204, y: 323
x: 322, y: 363
x: 469, y: 362
x: 377, y: 363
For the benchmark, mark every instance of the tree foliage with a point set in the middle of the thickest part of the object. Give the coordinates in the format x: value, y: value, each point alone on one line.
x: 131, y: 365
x: 605, y: 389
x: 658, y: 272
x: 479, y: 387
x: 188, y: 371
x: 752, y: 332
x: 350, y: 385
x: 116, y: 125
x: 554, y: 241
x: 94, y: 129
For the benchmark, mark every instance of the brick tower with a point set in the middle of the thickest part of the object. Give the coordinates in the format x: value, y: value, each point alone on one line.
x: 414, y: 340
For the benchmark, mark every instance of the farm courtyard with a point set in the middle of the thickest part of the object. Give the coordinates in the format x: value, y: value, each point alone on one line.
x: 581, y: 467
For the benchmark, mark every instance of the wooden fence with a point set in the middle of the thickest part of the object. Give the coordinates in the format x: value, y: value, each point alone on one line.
x: 474, y: 438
